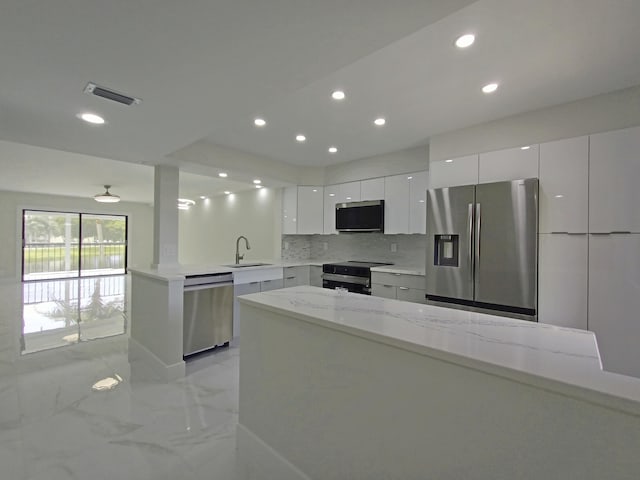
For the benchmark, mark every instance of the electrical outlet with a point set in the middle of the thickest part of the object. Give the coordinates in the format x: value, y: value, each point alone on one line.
x: 394, y: 247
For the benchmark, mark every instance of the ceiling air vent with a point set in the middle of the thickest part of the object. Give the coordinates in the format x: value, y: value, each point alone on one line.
x: 99, y: 91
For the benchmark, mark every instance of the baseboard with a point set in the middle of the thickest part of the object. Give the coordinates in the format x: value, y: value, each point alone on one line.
x: 140, y: 353
x: 259, y: 461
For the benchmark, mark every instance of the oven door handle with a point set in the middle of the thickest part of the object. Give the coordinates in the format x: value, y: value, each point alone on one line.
x: 334, y: 277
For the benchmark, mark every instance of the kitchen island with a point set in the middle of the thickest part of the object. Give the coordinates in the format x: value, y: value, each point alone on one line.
x: 336, y: 385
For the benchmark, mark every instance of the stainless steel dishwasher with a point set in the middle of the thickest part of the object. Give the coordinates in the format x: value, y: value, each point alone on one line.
x: 207, y: 312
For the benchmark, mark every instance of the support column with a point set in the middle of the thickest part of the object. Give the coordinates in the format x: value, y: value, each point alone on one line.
x: 165, y: 217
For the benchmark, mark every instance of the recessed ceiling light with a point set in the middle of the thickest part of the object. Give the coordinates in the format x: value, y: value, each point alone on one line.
x: 490, y: 88
x: 338, y: 95
x: 227, y: 192
x: 526, y: 147
x: 257, y: 181
x: 465, y: 40
x: 380, y: 121
x: 314, y: 190
x: 202, y: 197
x: 259, y: 122
x: 258, y: 186
x: 222, y: 175
x: 332, y: 194
x: 301, y: 138
x: 409, y: 178
x: 91, y: 118
x: 559, y: 196
x: 448, y: 161
x: 333, y: 150
x: 348, y: 198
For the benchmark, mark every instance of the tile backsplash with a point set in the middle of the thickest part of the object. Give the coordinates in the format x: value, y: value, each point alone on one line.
x: 410, y: 250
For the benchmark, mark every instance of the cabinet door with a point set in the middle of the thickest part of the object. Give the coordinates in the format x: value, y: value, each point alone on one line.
x: 349, y: 192
x: 510, y: 164
x: 418, y: 202
x: 385, y: 291
x: 562, y: 280
x: 453, y: 172
x: 267, y: 285
x: 315, y: 276
x: 372, y: 189
x: 614, y: 300
x: 331, y: 193
x: 396, y: 204
x: 614, y: 170
x: 564, y: 179
x: 289, y: 210
x: 241, y: 289
x: 310, y: 210
x: 414, y: 295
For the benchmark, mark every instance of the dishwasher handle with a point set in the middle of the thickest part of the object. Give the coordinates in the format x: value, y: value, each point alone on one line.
x: 194, y: 288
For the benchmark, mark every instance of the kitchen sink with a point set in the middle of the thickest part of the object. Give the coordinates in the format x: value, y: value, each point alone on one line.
x: 242, y: 265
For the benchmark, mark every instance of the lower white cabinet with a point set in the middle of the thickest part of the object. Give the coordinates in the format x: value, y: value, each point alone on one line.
x: 294, y: 276
x: 315, y: 275
x: 614, y: 300
x: 563, y: 280
x: 247, y: 288
x: 399, y: 286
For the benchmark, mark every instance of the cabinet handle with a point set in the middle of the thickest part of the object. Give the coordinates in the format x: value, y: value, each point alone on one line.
x: 254, y: 283
x: 600, y: 233
x: 617, y: 232
x: 290, y: 278
x: 560, y: 233
x: 266, y: 281
x: 387, y: 286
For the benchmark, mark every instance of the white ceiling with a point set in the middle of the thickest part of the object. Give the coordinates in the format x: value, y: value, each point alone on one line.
x: 205, y: 68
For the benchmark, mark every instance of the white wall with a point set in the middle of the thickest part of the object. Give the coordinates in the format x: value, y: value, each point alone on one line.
x: 11, y: 205
x: 395, y: 163
x: 610, y: 111
x: 208, y: 230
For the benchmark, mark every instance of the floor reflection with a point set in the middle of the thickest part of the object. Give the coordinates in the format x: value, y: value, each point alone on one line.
x: 56, y: 313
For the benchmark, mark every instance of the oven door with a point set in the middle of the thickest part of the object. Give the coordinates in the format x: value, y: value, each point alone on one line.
x: 346, y: 282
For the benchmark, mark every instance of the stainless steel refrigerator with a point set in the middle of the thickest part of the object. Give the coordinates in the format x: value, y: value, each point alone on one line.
x: 482, y: 246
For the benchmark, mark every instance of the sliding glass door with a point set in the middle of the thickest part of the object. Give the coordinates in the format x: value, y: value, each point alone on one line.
x: 67, y: 245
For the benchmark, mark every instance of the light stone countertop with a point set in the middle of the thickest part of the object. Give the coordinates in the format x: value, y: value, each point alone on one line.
x: 555, y: 358
x: 401, y: 269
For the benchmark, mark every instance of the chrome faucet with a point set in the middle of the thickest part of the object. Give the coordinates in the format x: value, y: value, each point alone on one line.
x: 246, y: 243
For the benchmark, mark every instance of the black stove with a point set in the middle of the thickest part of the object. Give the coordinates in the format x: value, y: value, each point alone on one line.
x: 353, y: 276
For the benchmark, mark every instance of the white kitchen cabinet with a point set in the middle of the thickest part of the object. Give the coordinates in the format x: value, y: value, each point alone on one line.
x: 564, y: 181
x: 294, y: 276
x: 418, y: 202
x: 400, y: 286
x: 614, y: 170
x: 372, y: 189
x: 453, y: 171
x: 340, y: 193
x: 396, y: 204
x: 315, y: 275
x: 614, y: 300
x: 509, y: 164
x: 289, y: 210
x: 563, y: 280
x: 310, y: 210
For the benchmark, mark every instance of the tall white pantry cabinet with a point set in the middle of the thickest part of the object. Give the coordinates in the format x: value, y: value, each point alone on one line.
x: 614, y: 248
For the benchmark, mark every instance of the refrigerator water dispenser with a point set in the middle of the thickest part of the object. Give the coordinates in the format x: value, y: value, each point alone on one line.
x: 446, y: 250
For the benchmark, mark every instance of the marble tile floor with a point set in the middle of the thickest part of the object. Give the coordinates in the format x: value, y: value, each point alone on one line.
x: 55, y: 425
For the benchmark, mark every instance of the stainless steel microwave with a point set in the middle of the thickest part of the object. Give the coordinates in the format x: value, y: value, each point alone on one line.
x: 365, y: 216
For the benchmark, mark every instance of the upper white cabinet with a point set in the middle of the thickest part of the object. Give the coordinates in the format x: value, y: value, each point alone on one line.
x: 372, y: 189
x: 310, y: 208
x: 396, y: 204
x: 290, y: 210
x: 453, y: 172
x: 418, y: 202
x: 564, y: 179
x: 614, y: 171
x: 341, y: 193
x: 509, y: 164
x: 614, y: 300
x: 562, y: 280
x: 405, y: 206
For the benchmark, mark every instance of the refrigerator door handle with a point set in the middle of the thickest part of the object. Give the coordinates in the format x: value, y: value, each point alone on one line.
x: 470, y: 253
x: 477, y: 236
